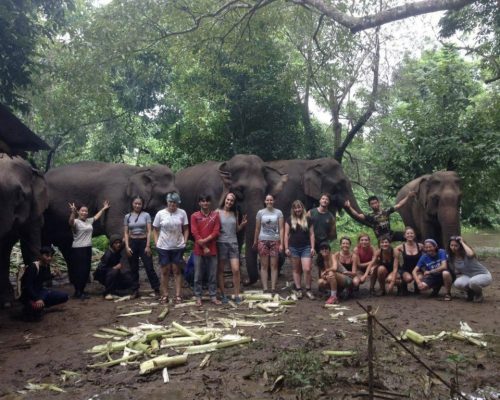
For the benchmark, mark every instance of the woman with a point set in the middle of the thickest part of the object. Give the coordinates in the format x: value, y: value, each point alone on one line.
x: 385, y: 267
x: 431, y: 271
x: 171, y: 232
x: 332, y: 276
x: 345, y: 265
x: 227, y: 245
x: 299, y: 245
x: 268, y: 239
x: 81, y: 249
x: 137, y: 236
x: 364, y: 256
x: 473, y: 275
x: 410, y: 252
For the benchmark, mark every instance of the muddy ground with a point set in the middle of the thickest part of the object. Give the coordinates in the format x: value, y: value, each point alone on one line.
x: 38, y: 352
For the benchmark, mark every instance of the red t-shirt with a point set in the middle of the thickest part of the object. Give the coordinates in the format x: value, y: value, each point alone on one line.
x: 203, y: 226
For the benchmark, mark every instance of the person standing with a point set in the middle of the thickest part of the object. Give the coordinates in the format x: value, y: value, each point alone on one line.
x: 299, y: 245
x: 268, y: 240
x: 325, y: 226
x: 137, y: 237
x: 205, y: 228
x: 474, y: 276
x: 380, y: 219
x: 34, y: 296
x: 227, y: 245
x: 81, y: 249
x: 170, y: 233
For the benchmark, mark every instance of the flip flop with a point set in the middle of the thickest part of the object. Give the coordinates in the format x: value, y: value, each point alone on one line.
x: 216, y: 301
x: 447, y: 297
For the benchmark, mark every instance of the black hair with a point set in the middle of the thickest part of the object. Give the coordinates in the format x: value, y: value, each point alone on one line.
x: 47, y: 250
x: 371, y: 198
x: 461, y: 250
x: 205, y: 197
x: 132, y: 208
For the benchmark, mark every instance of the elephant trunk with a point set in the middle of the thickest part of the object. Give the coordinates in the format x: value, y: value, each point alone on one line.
x: 251, y: 207
x: 449, y: 222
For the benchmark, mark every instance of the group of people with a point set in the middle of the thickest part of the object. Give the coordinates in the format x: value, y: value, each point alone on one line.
x: 301, y: 236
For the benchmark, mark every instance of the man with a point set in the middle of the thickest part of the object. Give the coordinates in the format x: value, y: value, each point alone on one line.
x: 110, y: 272
x: 205, y: 228
x: 380, y: 219
x: 324, y: 225
x: 34, y: 295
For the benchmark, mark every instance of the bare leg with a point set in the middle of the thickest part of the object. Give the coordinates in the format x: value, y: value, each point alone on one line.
x: 307, y: 268
x: 373, y: 278
x: 297, y: 272
x: 165, y: 272
x: 274, y: 272
x: 448, y: 280
x: 264, y: 271
x: 381, y: 277
x: 220, y: 276
x: 178, y: 279
x: 235, y: 268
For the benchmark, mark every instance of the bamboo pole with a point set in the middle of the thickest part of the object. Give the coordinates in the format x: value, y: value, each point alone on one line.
x: 370, y: 352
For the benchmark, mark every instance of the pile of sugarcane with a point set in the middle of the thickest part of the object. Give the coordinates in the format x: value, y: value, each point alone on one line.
x: 465, y: 333
x: 159, y: 346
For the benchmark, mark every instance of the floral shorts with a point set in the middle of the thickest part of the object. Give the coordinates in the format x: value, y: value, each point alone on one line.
x: 268, y: 248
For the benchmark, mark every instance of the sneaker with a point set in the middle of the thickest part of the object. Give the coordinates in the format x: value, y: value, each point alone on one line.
x: 109, y: 296
x: 332, y: 300
x: 224, y: 299
x: 237, y: 299
x: 298, y: 293
x: 310, y: 295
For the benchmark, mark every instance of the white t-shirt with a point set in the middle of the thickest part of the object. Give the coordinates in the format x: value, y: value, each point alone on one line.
x: 269, y: 224
x: 82, y: 232
x: 171, y: 229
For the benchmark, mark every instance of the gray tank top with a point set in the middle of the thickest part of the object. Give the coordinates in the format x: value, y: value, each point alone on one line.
x: 227, y: 228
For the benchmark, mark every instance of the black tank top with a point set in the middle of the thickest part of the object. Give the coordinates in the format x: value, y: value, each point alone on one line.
x: 409, y: 260
x: 347, y: 266
x: 388, y: 264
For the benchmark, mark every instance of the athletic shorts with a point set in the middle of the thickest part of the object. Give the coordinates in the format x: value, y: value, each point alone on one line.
x: 300, y: 252
x: 170, y: 256
x: 227, y: 251
x: 268, y: 248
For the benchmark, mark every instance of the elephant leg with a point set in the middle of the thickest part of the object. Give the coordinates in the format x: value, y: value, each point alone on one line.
x: 6, y: 289
x: 30, y: 241
x: 251, y: 264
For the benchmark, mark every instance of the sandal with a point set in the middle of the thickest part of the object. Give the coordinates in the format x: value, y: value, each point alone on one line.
x: 447, y: 297
x: 177, y: 300
x: 164, y: 300
x: 216, y: 301
x: 198, y: 302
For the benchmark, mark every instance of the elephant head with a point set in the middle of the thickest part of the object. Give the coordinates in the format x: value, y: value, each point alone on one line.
x: 325, y: 175
x: 439, y: 195
x: 152, y: 184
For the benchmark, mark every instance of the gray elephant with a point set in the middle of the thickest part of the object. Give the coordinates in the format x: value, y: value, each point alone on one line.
x: 90, y: 183
x: 435, y: 212
x: 23, y: 195
x: 247, y: 177
x: 308, y: 179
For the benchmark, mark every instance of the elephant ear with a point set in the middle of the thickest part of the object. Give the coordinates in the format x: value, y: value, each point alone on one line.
x: 275, y: 179
x: 311, y: 181
x: 423, y: 191
x: 225, y: 176
x: 141, y: 184
x: 40, y: 197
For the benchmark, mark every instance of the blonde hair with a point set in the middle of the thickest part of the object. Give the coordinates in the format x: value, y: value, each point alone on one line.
x: 298, y: 222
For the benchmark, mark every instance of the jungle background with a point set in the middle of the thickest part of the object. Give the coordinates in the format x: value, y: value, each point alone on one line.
x: 180, y: 82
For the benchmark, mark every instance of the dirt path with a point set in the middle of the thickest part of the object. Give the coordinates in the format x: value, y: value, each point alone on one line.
x: 37, y: 352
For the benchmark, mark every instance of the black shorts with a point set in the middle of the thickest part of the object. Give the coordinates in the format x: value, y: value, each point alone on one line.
x: 433, y: 280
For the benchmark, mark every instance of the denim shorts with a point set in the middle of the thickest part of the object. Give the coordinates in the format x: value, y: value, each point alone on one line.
x: 227, y: 251
x: 300, y: 252
x: 170, y: 256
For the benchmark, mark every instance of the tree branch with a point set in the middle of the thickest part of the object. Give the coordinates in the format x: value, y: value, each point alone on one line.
x: 357, y: 24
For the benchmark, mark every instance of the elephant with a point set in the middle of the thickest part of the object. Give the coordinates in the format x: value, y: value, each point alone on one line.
x: 244, y: 175
x: 90, y: 183
x: 308, y: 179
x: 23, y: 195
x: 435, y: 212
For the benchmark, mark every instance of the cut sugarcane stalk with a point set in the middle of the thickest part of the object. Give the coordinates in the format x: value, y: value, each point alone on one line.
x: 243, y: 340
x: 123, y: 298
x: 103, y: 336
x: 181, y: 341
x: 264, y: 308
x: 115, y: 332
x: 44, y: 386
x: 205, y: 361
x: 258, y: 297
x: 132, y: 314
x: 114, y: 362
x: 108, y: 347
x: 125, y: 329
x: 415, y: 337
x: 162, y: 362
x: 206, y: 338
x: 184, y: 330
x: 288, y: 302
x: 339, y: 353
x: 155, y: 335
x: 163, y: 314
x: 202, y: 348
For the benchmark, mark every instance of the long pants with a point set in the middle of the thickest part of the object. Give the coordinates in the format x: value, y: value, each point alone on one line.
x: 205, y: 264
x: 49, y: 297
x: 117, y: 279
x: 81, y: 258
x: 138, y: 247
x: 475, y: 283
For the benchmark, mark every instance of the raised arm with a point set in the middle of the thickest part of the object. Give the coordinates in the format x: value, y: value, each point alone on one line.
x: 105, y: 206
x: 404, y: 200
x: 357, y: 215
x: 469, y: 252
x: 73, y: 214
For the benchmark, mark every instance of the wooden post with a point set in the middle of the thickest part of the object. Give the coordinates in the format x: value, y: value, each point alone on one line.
x: 370, y: 353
